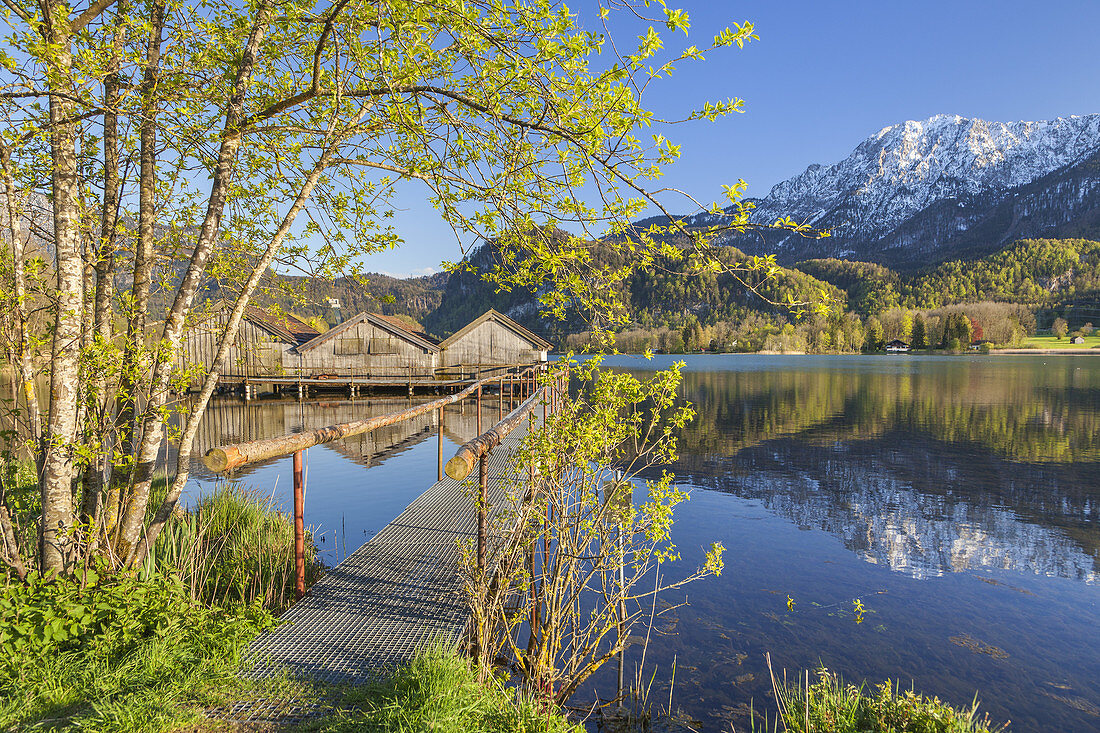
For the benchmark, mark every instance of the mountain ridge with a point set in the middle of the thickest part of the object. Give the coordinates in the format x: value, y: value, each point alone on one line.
x: 908, y: 195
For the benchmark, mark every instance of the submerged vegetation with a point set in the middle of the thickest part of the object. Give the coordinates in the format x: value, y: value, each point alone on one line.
x: 830, y: 705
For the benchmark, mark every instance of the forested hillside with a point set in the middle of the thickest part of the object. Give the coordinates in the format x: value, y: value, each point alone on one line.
x: 671, y: 311
x: 1031, y: 271
x: 996, y: 298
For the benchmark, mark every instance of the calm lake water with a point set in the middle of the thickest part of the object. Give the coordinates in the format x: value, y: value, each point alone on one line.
x: 957, y: 497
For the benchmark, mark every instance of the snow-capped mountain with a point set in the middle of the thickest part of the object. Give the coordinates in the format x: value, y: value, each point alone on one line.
x: 921, y: 192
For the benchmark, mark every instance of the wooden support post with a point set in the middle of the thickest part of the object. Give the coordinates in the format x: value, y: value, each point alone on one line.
x: 482, y: 502
x: 299, y: 525
x: 479, y: 409
x: 500, y: 402
x: 439, y: 447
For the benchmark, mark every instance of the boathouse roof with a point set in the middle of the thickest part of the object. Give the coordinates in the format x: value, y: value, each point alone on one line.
x: 386, y: 323
x: 283, y: 326
x: 503, y: 320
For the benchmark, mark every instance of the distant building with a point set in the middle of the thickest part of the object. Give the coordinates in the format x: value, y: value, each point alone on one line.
x: 369, y: 345
x: 1077, y: 340
x: 897, y: 346
x: 493, y: 339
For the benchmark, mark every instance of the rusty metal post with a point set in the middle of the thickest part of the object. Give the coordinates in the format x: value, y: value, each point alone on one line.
x: 299, y: 525
x: 479, y: 409
x: 482, y: 502
x: 439, y: 448
x: 500, y: 402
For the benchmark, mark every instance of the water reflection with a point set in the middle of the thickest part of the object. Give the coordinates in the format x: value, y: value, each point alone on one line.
x: 926, y: 467
x: 354, y: 485
x: 233, y: 421
x: 958, y: 497
x: 891, y: 505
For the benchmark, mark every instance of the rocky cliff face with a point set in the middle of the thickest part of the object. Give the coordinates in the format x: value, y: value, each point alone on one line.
x: 922, y: 192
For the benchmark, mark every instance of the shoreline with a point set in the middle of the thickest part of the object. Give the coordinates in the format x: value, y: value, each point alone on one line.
x: 1092, y: 351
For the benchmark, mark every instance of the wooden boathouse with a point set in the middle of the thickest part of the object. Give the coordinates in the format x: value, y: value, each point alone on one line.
x: 265, y: 343
x: 367, y: 351
x: 369, y: 345
x: 490, y: 340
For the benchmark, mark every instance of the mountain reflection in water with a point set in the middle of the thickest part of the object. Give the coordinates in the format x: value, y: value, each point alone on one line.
x: 926, y: 466
x: 959, y: 497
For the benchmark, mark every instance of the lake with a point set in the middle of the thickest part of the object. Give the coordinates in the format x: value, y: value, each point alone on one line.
x: 958, y: 497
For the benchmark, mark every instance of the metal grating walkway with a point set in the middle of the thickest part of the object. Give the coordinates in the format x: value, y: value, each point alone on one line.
x: 398, y: 592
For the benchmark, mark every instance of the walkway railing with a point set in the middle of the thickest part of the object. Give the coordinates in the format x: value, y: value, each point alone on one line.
x: 222, y: 459
x: 477, y: 452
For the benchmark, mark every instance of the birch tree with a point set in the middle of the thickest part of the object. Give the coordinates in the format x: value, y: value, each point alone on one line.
x: 189, y: 145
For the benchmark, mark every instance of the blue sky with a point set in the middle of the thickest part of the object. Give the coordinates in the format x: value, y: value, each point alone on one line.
x: 825, y: 75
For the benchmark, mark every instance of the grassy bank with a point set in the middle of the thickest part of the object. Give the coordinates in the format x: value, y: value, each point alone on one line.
x: 440, y: 692
x: 153, y: 649
x: 117, y: 654
x: 823, y: 703
x: 1047, y: 341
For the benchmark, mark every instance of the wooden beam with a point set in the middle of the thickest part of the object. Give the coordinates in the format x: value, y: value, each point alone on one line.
x: 467, y: 456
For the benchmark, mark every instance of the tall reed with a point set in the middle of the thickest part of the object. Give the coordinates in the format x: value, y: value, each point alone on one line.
x: 234, y: 545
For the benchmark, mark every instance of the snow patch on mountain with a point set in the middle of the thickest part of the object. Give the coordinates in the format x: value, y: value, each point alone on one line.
x: 902, y: 169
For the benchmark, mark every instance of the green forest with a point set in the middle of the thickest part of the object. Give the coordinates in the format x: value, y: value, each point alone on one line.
x: 1031, y: 286
x: 1000, y: 300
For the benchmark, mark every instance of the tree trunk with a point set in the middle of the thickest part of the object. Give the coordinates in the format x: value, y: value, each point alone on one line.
x: 105, y: 264
x: 153, y: 424
x: 187, y: 439
x: 22, y: 361
x: 135, y: 354
x: 55, y: 531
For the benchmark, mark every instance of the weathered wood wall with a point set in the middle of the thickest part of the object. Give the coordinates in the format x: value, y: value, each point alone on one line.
x: 367, y: 350
x: 490, y: 343
x: 254, y: 352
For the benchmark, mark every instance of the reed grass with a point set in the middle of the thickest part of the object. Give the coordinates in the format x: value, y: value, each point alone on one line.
x: 234, y: 545
x: 823, y: 703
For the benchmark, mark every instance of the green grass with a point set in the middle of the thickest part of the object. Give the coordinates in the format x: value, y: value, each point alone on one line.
x: 1047, y: 341
x: 439, y: 691
x: 119, y: 654
x: 829, y: 705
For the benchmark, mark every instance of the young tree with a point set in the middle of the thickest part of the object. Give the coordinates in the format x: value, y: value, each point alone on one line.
x: 181, y: 145
x: 1059, y: 328
x: 919, y: 337
x: 593, y: 532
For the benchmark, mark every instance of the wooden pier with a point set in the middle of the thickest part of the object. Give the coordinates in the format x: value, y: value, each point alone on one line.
x: 403, y: 589
x: 397, y: 593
